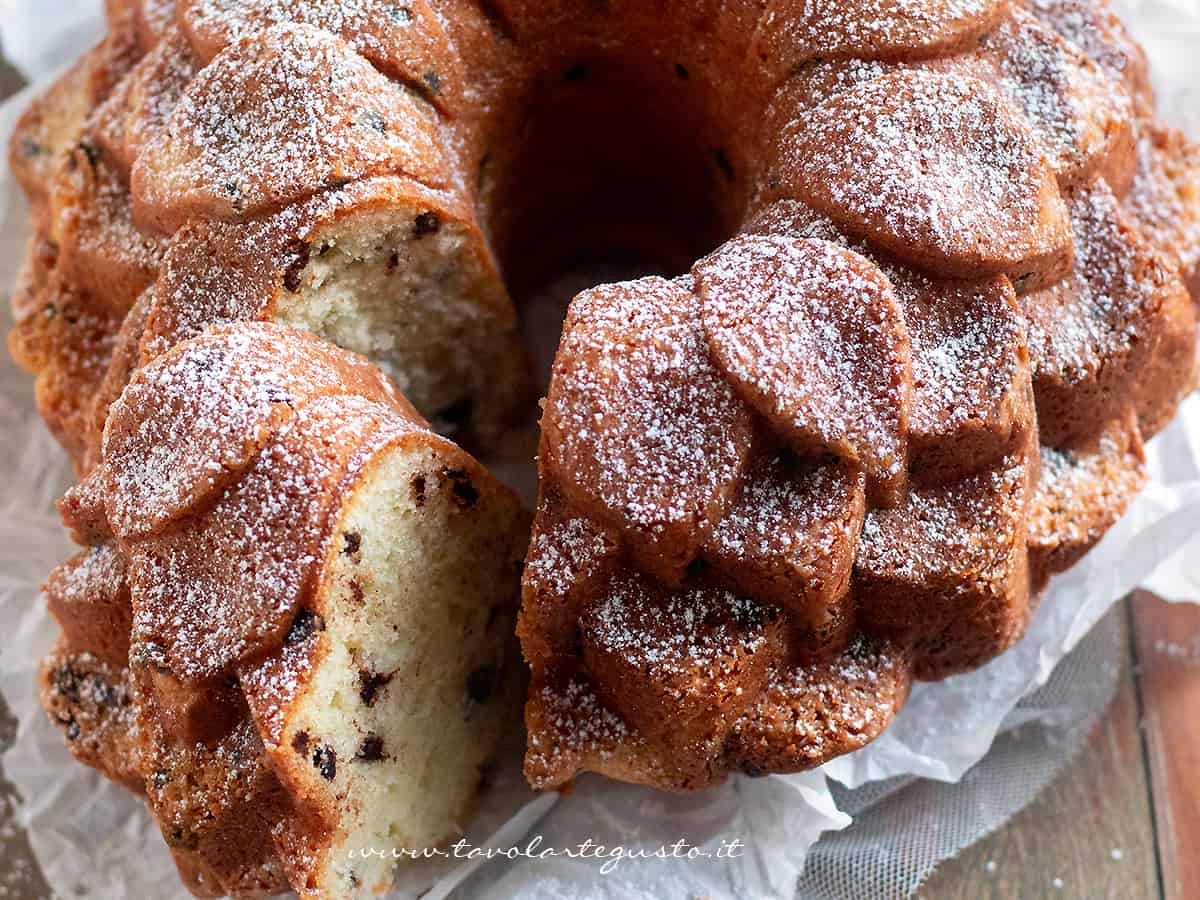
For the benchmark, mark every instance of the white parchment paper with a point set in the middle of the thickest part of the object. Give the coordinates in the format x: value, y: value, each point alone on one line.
x: 92, y: 839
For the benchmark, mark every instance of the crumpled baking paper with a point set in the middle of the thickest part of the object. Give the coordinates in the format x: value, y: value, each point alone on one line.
x: 93, y: 839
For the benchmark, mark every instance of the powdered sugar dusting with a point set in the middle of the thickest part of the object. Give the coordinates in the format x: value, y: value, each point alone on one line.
x: 797, y: 31
x: 563, y: 553
x: 823, y: 709
x: 637, y: 416
x: 1073, y: 106
x: 934, y: 167
x: 1103, y: 310
x: 191, y: 421
x: 790, y: 532
x: 187, y: 426
x: 695, y: 634
x: 950, y: 540
x: 572, y: 722
x: 217, y: 588
x: 968, y: 360
x: 969, y: 379
x: 280, y: 116
x: 1082, y: 491
x: 814, y: 339
x: 1165, y: 199
x: 405, y: 40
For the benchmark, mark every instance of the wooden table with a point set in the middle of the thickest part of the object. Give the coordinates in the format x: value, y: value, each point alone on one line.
x: 1123, y: 819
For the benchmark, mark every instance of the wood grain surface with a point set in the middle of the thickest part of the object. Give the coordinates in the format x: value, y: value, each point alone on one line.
x: 1089, y: 834
x: 1167, y: 641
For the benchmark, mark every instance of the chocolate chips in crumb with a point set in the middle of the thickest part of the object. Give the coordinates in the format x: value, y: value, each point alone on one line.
x: 291, y: 275
x: 370, y: 683
x: 426, y: 223
x: 324, y: 760
x: 353, y: 543
x: 300, y: 742
x: 465, y: 492
x: 371, y: 749
x: 417, y: 486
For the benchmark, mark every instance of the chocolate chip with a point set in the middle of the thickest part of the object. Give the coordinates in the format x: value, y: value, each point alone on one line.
x: 417, y: 487
x: 369, y: 685
x: 291, y: 275
x: 300, y: 742
x: 465, y: 492
x: 400, y: 15
x: 681, y: 72
x: 353, y: 542
x: 304, y: 626
x: 160, y: 778
x: 31, y: 148
x: 481, y: 683
x: 66, y: 682
x: 393, y: 261
x: 73, y: 730
x: 371, y: 749
x: 426, y: 223
x: 324, y: 760
x: 434, y: 81
x: 356, y: 591
x: 578, y: 72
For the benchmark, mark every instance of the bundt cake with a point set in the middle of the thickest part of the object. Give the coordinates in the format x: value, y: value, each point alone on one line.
x: 947, y: 265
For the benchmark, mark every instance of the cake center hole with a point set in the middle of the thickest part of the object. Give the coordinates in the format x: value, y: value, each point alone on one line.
x: 618, y: 168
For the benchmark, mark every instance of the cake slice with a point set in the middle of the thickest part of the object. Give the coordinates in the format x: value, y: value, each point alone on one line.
x: 321, y: 599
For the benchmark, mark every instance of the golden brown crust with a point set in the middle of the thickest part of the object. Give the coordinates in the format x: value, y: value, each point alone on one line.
x: 1081, y: 493
x: 1093, y: 335
x: 275, y: 118
x: 405, y: 41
